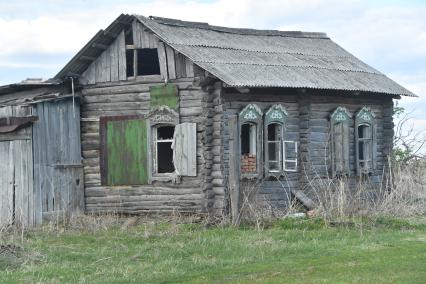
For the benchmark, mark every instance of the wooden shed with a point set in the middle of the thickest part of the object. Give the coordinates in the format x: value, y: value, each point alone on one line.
x: 41, y: 173
x: 179, y: 115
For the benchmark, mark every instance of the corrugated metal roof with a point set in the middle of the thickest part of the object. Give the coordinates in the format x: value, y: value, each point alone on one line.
x: 255, y: 58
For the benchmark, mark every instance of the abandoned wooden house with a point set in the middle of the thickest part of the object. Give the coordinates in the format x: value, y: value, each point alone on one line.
x: 156, y: 114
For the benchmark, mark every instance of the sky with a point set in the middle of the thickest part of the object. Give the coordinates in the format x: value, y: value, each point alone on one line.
x: 39, y: 37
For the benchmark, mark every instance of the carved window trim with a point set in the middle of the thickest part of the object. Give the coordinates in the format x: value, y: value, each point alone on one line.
x: 365, y: 118
x: 158, y: 117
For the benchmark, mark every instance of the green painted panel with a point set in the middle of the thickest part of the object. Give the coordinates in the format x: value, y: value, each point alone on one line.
x: 164, y: 96
x: 127, y: 152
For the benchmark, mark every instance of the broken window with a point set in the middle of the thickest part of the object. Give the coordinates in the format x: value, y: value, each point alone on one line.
x: 163, y: 140
x: 364, y: 141
x: 339, y: 146
x: 250, y: 142
x: 274, y: 145
x: 142, y: 62
x: 248, y: 148
x: 173, y: 146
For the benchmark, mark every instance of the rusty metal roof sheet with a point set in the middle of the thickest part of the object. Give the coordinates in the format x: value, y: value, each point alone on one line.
x: 256, y: 58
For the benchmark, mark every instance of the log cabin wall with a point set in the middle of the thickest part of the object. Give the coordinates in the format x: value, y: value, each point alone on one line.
x: 134, y: 99
x: 315, y: 113
x: 270, y: 191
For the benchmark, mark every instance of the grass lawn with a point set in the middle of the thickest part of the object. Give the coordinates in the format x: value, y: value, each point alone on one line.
x: 289, y: 251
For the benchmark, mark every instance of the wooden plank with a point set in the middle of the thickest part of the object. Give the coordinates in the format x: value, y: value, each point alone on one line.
x: 170, y: 58
x: 162, y: 60
x: 185, y: 149
x: 180, y: 65
x: 234, y: 168
x: 114, y: 60
x: 189, y: 66
x: 6, y: 183
x: 136, y: 29
x: 121, y: 46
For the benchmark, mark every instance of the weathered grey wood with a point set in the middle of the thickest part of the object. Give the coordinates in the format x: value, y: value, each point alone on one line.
x: 136, y: 29
x: 189, y: 68
x: 185, y: 149
x: 170, y: 58
x: 162, y: 60
x: 57, y: 145
x: 234, y: 169
x: 114, y: 61
x: 122, y: 75
x: 180, y: 65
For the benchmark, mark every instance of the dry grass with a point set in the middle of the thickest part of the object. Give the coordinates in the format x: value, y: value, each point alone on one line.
x: 401, y: 193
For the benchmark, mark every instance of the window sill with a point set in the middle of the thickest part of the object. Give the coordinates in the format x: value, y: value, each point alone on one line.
x: 163, y: 177
x: 146, y: 78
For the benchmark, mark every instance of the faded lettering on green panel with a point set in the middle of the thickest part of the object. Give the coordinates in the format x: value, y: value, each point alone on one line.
x: 127, y: 152
x: 164, y: 96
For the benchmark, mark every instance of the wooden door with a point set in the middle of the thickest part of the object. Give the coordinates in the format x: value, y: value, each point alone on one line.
x: 16, y: 172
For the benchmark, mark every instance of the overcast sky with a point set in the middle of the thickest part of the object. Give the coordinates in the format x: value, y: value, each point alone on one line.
x: 39, y: 37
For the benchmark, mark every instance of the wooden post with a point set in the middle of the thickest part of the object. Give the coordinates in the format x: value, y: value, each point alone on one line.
x: 234, y: 170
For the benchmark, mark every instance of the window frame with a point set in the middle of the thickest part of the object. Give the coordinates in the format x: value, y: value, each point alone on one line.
x: 285, y: 160
x: 365, y: 117
x: 155, y: 141
x: 131, y: 47
x: 276, y: 114
x: 340, y: 116
x: 252, y: 114
x: 160, y: 116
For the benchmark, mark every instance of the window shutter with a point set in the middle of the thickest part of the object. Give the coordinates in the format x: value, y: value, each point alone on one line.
x: 123, y: 151
x: 290, y: 156
x: 339, y: 121
x: 185, y: 149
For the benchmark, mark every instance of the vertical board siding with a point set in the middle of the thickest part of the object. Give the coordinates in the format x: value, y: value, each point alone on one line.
x: 16, y: 176
x: 58, y: 173
x: 110, y: 66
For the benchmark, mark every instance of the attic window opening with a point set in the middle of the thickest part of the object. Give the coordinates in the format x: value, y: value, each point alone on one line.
x: 142, y: 62
x: 148, y: 63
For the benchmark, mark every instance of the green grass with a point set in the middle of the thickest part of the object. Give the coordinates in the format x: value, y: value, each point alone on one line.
x: 290, y: 251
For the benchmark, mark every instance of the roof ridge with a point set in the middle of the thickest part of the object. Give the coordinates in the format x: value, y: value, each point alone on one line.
x: 242, y: 31
x: 290, y: 66
x: 262, y: 51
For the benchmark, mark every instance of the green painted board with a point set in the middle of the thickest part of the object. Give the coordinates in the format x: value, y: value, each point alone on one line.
x: 164, y: 96
x: 126, y: 145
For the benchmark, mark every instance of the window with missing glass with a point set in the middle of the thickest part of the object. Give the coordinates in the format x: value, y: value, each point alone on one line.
x: 250, y: 140
x: 163, y: 151
x: 280, y: 154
